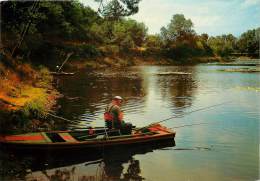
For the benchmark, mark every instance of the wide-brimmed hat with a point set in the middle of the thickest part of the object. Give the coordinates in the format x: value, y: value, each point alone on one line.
x: 118, y: 98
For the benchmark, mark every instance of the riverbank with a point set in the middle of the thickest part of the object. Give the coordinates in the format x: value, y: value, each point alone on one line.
x: 26, y: 95
x: 120, y: 61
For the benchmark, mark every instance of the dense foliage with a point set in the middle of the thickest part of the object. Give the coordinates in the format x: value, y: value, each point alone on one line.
x: 115, y: 9
x: 181, y: 40
x: 44, y: 32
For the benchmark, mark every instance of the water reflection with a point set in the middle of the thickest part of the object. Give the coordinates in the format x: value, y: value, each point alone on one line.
x: 227, y: 149
x: 105, y: 164
x: 179, y: 89
x: 87, y: 93
x: 104, y: 171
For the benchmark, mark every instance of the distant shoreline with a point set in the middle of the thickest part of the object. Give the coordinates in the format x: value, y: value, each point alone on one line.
x: 124, y: 61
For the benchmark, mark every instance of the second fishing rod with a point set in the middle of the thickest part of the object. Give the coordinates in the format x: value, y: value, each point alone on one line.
x: 183, y: 114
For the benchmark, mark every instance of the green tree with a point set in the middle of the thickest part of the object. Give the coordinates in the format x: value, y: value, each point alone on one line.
x: 179, y: 38
x: 202, y: 45
x: 153, y: 41
x: 223, y: 45
x: 137, y: 31
x: 248, y: 42
x: 177, y: 28
x: 115, y: 9
x: 36, y: 28
x: 127, y: 30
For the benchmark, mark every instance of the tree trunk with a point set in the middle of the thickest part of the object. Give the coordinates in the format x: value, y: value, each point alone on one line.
x: 25, y: 29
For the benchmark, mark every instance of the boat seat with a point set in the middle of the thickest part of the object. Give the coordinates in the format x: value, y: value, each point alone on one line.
x: 28, y: 138
x: 67, y: 137
x: 114, y: 132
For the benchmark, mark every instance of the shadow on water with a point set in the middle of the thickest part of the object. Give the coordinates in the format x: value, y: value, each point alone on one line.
x: 108, y: 164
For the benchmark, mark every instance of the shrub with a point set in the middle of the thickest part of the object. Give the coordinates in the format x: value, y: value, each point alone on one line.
x: 109, y: 49
x: 44, y: 77
x: 35, y: 108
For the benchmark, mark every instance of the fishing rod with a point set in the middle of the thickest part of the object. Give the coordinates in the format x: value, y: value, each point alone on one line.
x: 58, y: 117
x: 183, y: 114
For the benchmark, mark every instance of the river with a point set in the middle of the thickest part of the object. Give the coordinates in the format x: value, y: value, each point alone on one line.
x: 226, y: 148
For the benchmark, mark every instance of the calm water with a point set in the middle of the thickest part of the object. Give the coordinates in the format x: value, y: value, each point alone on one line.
x: 226, y: 149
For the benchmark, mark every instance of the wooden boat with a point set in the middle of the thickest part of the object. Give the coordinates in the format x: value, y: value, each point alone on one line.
x: 62, y: 73
x: 89, y: 138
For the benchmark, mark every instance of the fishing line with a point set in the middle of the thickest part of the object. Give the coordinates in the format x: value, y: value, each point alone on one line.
x: 187, y: 125
x: 183, y: 114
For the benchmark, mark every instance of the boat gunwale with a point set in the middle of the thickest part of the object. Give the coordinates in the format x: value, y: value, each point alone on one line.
x: 72, y: 147
x: 94, y: 143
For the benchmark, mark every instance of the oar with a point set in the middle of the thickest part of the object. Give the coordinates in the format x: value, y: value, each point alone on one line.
x: 68, y: 120
x: 67, y: 58
x: 183, y: 114
x: 93, y: 162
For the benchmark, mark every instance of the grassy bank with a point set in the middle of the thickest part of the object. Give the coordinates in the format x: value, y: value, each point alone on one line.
x: 26, y: 95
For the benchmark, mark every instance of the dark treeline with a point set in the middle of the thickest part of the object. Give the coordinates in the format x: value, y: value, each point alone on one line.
x: 43, y: 32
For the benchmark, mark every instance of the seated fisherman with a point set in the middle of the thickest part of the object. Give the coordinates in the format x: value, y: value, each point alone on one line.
x: 113, y: 116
